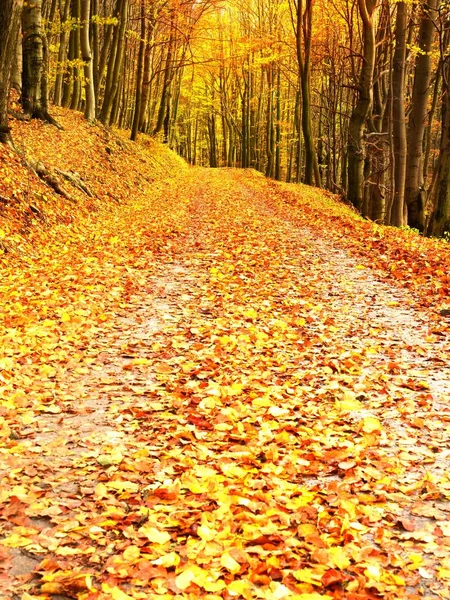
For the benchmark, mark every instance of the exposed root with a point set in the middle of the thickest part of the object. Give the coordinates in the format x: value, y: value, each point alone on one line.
x: 44, y: 116
x: 75, y: 179
x: 43, y: 173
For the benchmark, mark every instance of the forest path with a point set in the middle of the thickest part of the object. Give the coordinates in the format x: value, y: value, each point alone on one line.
x: 255, y: 414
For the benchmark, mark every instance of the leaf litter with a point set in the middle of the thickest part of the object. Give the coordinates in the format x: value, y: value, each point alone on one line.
x: 210, y: 392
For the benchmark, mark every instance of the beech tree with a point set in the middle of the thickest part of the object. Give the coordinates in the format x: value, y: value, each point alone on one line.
x: 10, y: 11
x: 415, y: 195
x: 34, y: 73
x: 363, y: 104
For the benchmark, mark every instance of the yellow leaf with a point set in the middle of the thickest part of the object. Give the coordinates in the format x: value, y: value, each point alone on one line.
x: 16, y: 541
x: 445, y: 527
x: 194, y: 485
x: 313, y: 596
x: 277, y: 411
x: 184, y: 579
x: 171, y: 559
x: 416, y: 561
x: 206, y: 533
x: 115, y: 457
x: 123, y: 486
x: 116, y: 593
x: 309, y: 575
x: 240, y: 588
x: 140, y: 361
x: 101, y: 491
x: 132, y: 553
x: 392, y: 579
x: 371, y: 424
x: 154, y: 535
x: 373, y: 571
x: 348, y: 402
x: 339, y: 558
x: 443, y: 573
x: 227, y: 561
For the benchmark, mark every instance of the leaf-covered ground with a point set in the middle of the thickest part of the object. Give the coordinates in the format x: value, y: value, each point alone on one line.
x: 220, y: 387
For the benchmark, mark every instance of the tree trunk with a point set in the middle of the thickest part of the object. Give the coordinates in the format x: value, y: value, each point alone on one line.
x: 414, y: 191
x: 440, y: 219
x: 115, y: 64
x: 62, y: 52
x: 33, y: 61
x: 89, y: 109
x: 146, y: 72
x: 355, y: 145
x: 398, y: 116
x: 278, y: 129
x: 139, y: 76
x: 9, y: 26
x: 303, y: 35
x: 165, y: 93
x: 67, y: 85
x: 439, y: 223
x: 76, y: 89
x: 16, y: 74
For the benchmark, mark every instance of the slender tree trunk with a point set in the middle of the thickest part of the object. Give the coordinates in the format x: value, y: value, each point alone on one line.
x: 139, y: 76
x: 244, y: 116
x: 212, y: 141
x: 355, y: 146
x: 429, y: 129
x: 270, y: 133
x: 62, y: 52
x: 414, y: 192
x: 76, y: 89
x: 168, y: 74
x: 398, y: 114
x: 106, y: 46
x: 89, y: 109
x: 146, y: 71
x: 278, y: 129
x: 115, y: 65
x: 16, y: 74
x: 67, y: 86
x: 303, y: 35
x: 95, y: 46
x: 9, y: 26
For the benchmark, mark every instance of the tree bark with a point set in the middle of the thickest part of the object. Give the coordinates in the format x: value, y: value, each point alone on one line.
x: 89, y: 109
x: 76, y: 89
x: 303, y: 37
x: 355, y: 145
x: 414, y: 192
x: 115, y: 64
x: 398, y: 113
x: 439, y: 223
x: 33, y: 60
x: 62, y: 53
x: 139, y: 76
x: 16, y: 74
x: 9, y: 26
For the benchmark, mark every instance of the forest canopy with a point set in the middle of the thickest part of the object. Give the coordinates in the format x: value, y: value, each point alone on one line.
x: 348, y: 95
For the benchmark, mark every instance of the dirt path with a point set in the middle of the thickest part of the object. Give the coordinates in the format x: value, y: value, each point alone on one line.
x: 271, y: 421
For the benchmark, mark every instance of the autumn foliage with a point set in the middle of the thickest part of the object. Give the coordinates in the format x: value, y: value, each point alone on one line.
x: 213, y: 385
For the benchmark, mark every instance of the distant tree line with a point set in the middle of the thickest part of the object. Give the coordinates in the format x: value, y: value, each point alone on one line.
x: 349, y: 95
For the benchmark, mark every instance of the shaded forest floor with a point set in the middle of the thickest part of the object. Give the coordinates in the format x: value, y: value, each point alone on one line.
x: 213, y: 385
